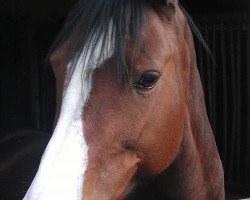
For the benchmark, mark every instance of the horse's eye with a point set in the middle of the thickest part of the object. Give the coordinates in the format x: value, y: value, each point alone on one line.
x: 147, y: 81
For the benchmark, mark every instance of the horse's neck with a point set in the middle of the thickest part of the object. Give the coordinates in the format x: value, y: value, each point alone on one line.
x: 199, y: 159
x: 197, y: 171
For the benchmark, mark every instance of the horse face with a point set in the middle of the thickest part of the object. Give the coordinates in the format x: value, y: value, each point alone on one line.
x: 106, y: 132
x: 136, y: 126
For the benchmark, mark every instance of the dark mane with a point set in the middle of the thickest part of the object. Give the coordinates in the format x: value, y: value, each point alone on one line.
x: 89, y: 23
x: 195, y: 29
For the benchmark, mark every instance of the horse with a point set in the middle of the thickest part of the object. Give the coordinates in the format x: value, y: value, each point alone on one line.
x: 131, y: 121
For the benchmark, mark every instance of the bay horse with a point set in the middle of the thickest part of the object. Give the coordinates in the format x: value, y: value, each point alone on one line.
x: 131, y: 121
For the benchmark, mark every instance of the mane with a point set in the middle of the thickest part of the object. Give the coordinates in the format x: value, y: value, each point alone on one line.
x: 103, y: 24
x: 195, y: 30
x: 97, y: 24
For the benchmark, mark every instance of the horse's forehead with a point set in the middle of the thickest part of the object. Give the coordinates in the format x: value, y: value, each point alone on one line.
x: 153, y: 29
x: 158, y: 37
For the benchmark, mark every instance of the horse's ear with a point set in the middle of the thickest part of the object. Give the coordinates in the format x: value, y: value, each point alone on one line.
x: 169, y: 6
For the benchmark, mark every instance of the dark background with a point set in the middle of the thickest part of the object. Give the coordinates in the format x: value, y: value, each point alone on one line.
x: 27, y: 89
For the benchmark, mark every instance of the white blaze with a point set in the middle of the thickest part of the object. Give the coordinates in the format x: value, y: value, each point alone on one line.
x: 62, y: 168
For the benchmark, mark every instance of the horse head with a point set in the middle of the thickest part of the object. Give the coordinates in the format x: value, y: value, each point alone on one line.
x: 126, y: 88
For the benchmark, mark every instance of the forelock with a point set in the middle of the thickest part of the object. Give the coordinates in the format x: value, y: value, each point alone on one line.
x: 106, y: 25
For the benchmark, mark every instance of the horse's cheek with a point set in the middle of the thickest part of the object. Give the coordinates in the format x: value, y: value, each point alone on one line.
x: 161, y: 140
x: 161, y: 152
